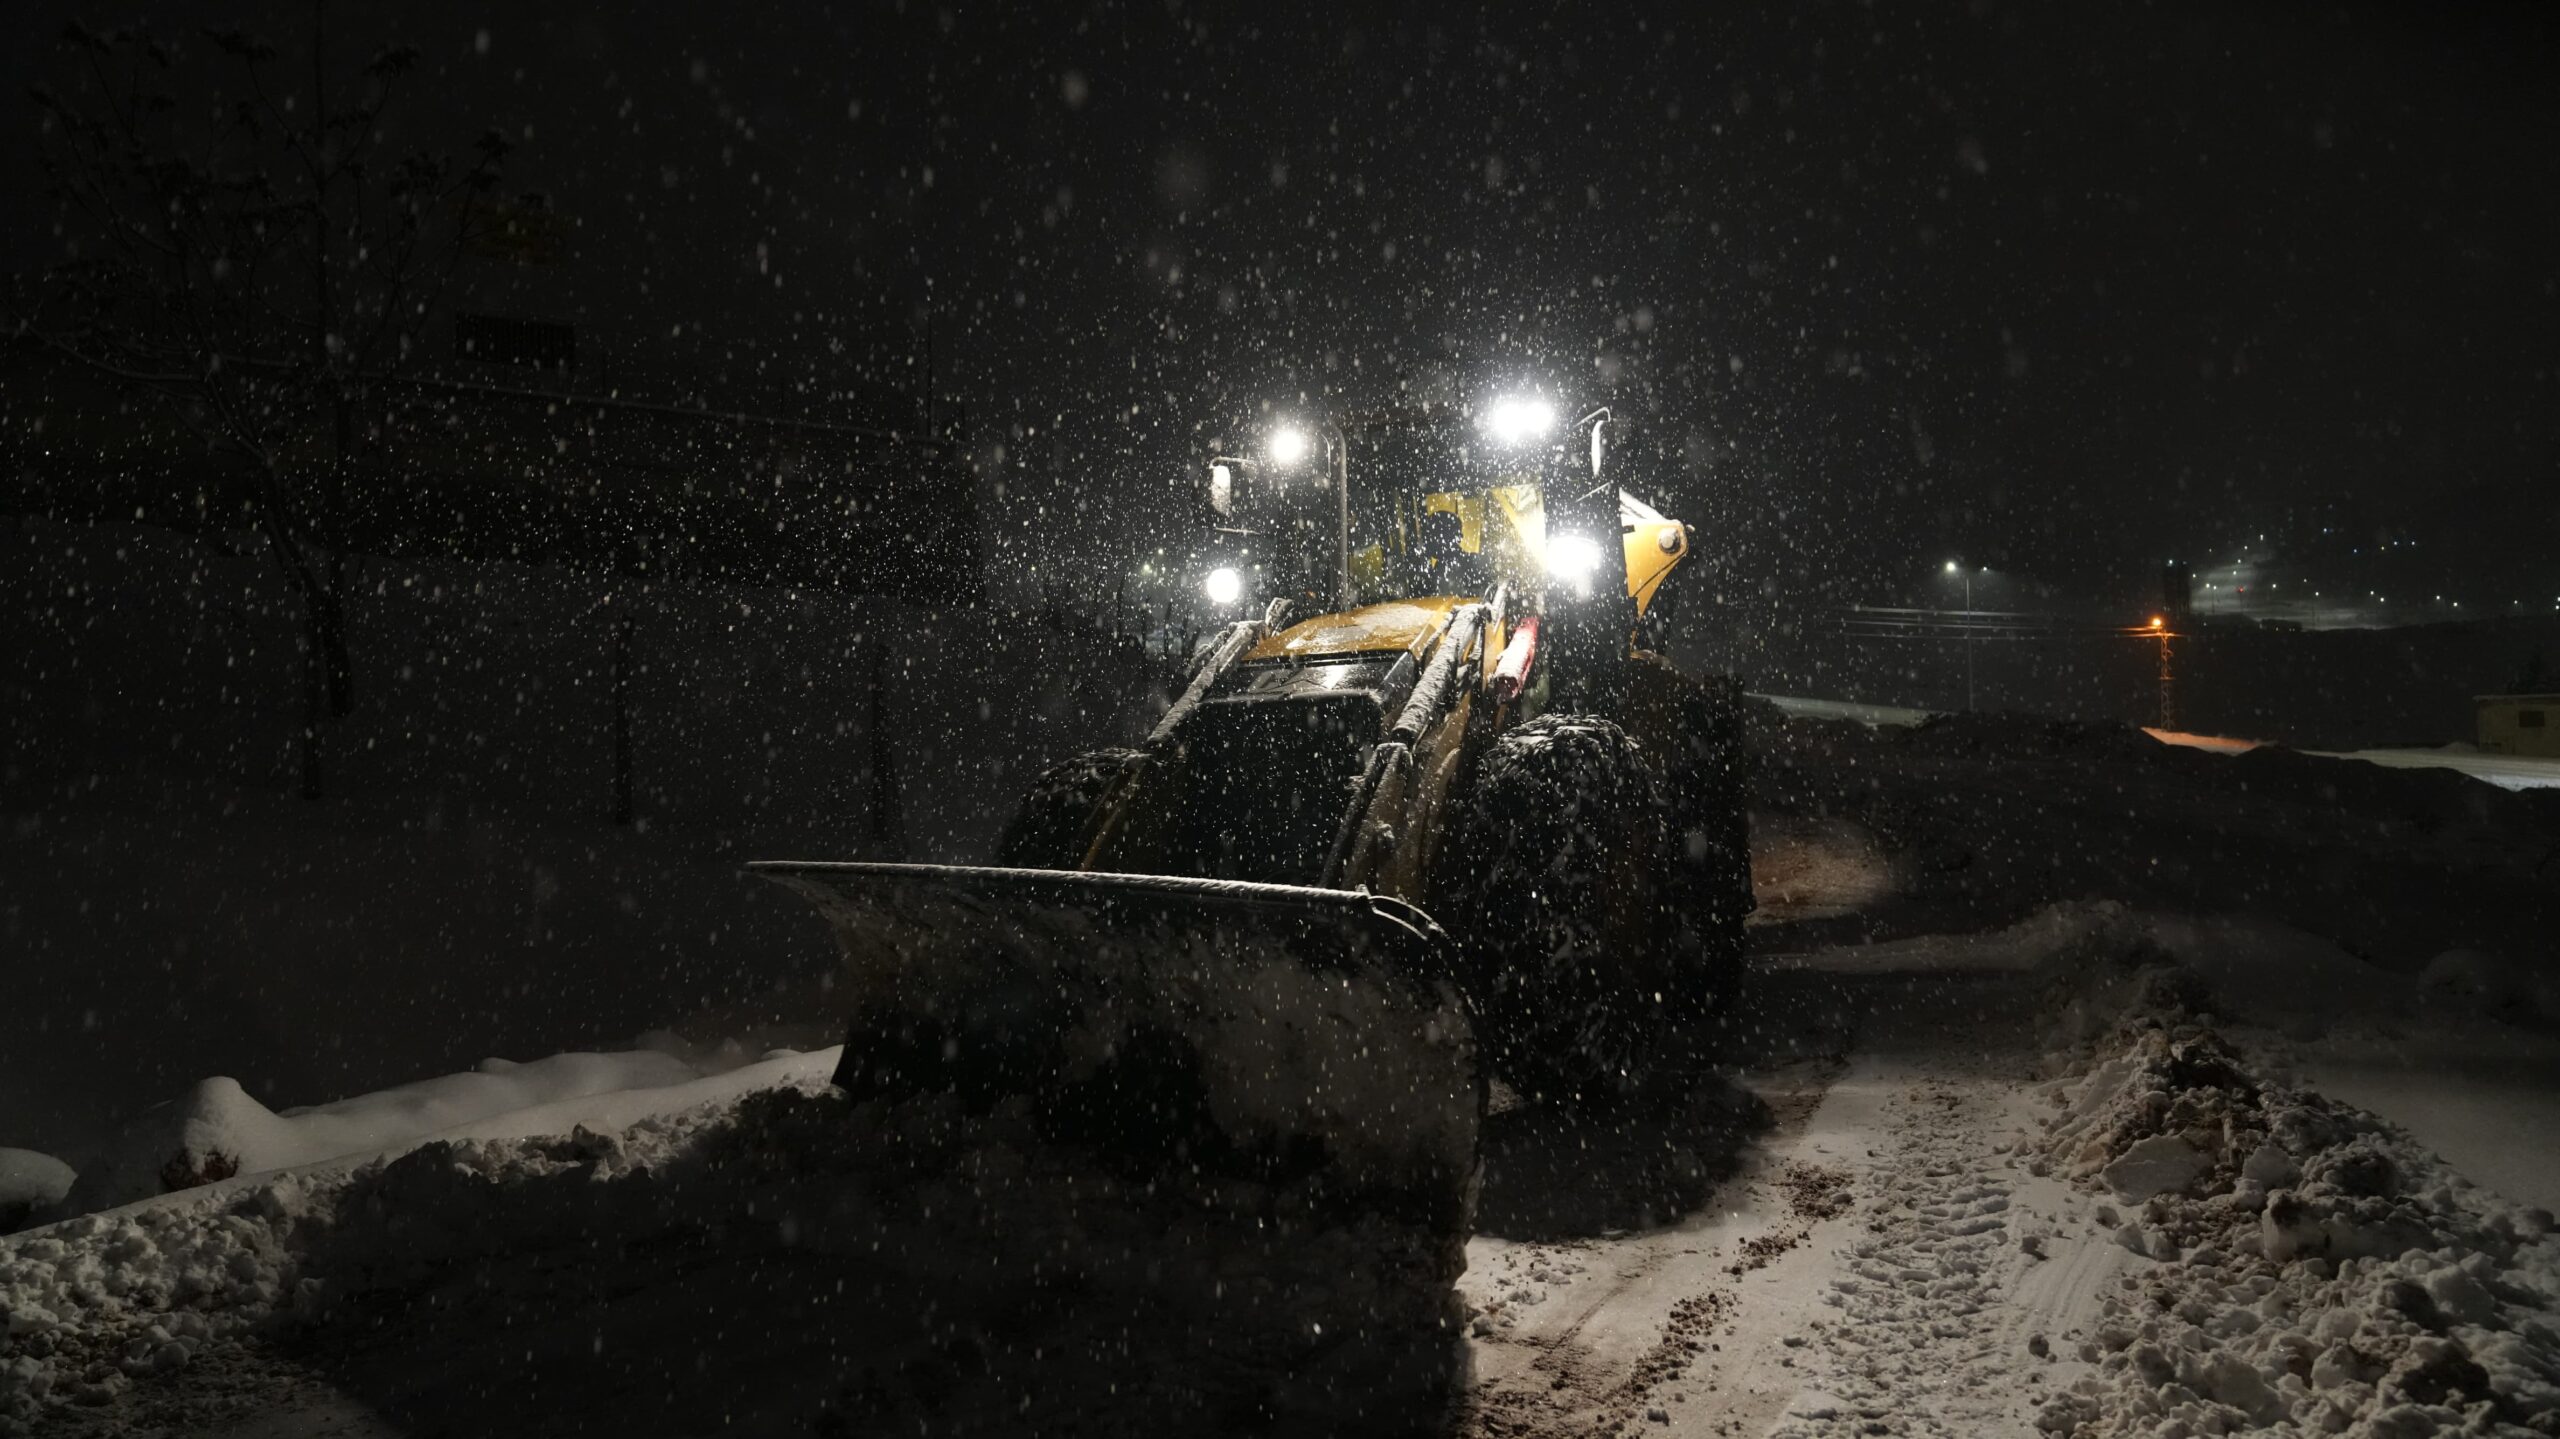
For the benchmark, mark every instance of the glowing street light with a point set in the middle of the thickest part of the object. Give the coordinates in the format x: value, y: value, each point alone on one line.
x: 1222, y: 585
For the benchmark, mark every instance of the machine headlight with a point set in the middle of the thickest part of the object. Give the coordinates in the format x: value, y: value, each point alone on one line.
x: 1573, y: 558
x: 1222, y: 585
x: 1518, y: 419
x: 1287, y: 445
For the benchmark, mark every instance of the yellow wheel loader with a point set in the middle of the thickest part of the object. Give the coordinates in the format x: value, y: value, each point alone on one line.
x: 1425, y: 816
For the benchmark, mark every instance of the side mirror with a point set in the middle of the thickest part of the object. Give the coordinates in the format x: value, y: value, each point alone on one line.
x: 1234, y: 485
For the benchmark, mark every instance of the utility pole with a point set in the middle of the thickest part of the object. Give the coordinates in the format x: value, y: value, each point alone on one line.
x: 888, y: 822
x: 2168, y: 686
x: 1965, y: 572
x: 1968, y: 641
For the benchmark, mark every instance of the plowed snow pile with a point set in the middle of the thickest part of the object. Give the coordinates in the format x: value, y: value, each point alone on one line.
x: 759, y: 1264
x: 2317, y: 1272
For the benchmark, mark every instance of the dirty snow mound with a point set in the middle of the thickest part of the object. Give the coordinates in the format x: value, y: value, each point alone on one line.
x: 98, y: 1304
x: 2314, y: 1271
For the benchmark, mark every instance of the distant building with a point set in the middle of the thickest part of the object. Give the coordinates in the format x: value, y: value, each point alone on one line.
x: 2177, y: 594
x: 2519, y: 724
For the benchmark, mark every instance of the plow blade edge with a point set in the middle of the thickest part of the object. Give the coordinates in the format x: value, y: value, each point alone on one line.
x: 1273, y: 1033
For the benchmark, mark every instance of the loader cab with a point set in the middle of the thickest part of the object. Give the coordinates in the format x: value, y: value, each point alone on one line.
x: 1434, y: 515
x: 1505, y: 498
x: 1272, y: 533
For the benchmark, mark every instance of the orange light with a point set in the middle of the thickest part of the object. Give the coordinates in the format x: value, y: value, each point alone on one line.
x: 2159, y: 623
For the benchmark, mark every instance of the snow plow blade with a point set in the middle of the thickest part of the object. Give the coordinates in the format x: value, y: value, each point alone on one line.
x: 1246, y: 1113
x: 1263, y: 1027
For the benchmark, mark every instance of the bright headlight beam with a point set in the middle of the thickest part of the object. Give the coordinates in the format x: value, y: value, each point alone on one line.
x: 1518, y: 419
x: 1222, y: 585
x: 1575, y: 558
x: 1287, y: 445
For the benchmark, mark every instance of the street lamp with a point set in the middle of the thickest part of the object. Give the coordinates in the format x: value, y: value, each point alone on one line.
x: 2159, y: 627
x: 1966, y: 571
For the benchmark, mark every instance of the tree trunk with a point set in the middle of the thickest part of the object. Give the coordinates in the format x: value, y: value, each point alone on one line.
x: 622, y: 721
x: 329, y: 632
x: 314, y: 697
x: 309, y: 594
x: 332, y: 606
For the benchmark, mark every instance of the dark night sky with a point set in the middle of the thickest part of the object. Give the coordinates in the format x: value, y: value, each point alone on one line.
x: 2055, y: 284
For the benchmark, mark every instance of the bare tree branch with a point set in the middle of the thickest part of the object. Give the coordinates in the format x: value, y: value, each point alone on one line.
x: 264, y: 268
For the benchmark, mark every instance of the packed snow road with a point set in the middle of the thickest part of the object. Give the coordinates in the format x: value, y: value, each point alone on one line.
x: 1886, y: 1104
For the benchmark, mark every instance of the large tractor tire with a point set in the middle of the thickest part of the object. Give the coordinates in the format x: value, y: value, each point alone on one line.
x: 1572, y: 943
x: 1711, y: 889
x: 1055, y: 822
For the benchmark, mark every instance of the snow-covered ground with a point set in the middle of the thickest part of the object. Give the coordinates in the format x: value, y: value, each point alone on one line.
x: 2053, y: 1178
x: 746, y: 1252
x: 1806, y: 707
x: 2086, y: 1086
x: 218, y: 1130
x: 2505, y: 771
x: 2020, y: 1182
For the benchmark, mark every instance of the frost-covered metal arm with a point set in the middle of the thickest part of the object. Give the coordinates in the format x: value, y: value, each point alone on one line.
x: 1239, y: 635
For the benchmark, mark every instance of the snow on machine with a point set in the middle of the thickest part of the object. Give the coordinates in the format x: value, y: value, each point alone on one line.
x: 1426, y: 814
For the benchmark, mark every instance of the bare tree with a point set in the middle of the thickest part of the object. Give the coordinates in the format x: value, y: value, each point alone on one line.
x: 250, y: 247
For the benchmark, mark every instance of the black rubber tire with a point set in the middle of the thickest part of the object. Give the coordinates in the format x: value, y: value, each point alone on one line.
x: 1711, y: 885
x: 1570, y: 959
x: 1055, y: 822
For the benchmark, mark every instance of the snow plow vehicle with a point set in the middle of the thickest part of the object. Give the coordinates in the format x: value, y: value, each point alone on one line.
x: 1425, y: 815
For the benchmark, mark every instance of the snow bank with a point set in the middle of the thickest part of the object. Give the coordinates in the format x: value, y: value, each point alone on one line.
x: 29, y: 1182
x: 2315, y: 1270
x: 217, y: 1130
x: 98, y: 1303
x: 751, y: 1251
x: 2492, y: 985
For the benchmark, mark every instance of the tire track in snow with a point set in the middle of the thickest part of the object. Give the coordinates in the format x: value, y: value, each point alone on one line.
x: 1937, y: 1289
x: 1630, y: 1347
